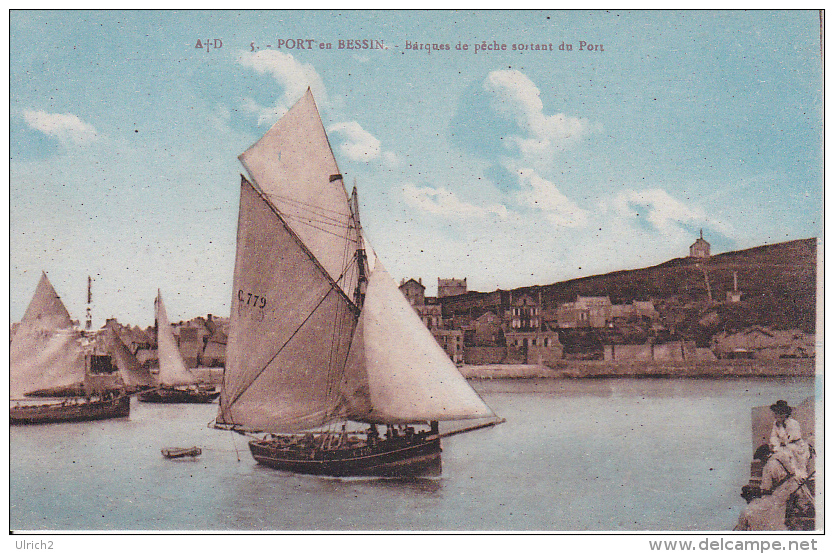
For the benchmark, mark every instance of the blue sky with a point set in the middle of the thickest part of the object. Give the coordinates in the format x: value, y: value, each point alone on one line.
x: 510, y: 168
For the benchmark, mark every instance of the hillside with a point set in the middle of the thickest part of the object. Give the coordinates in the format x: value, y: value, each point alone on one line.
x: 777, y: 282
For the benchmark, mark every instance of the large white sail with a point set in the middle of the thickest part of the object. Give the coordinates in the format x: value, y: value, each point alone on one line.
x: 46, y: 351
x: 290, y: 328
x: 294, y: 166
x: 132, y: 373
x: 296, y: 357
x: 172, y: 370
x: 46, y: 307
x: 396, y: 372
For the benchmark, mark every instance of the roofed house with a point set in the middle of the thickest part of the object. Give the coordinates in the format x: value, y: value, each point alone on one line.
x: 487, y: 330
x: 700, y: 248
x: 538, y: 346
x: 414, y: 291
x: 523, y: 314
x: 586, y: 311
x: 431, y: 315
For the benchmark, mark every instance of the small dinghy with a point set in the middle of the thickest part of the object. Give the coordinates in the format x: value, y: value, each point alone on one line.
x: 173, y: 453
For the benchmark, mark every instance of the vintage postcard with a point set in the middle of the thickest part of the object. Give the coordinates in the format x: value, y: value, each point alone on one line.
x: 416, y: 271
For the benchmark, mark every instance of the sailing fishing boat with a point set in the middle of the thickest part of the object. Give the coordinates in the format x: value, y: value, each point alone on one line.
x: 175, y: 383
x: 134, y: 376
x: 49, y: 357
x: 323, y: 348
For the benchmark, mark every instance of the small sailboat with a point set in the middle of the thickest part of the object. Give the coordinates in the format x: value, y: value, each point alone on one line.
x: 323, y: 349
x: 175, y: 383
x: 134, y: 376
x: 50, y: 358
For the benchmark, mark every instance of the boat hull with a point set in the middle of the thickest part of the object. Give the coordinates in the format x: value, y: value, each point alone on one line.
x: 398, y: 459
x: 179, y: 396
x: 175, y: 453
x: 64, y: 413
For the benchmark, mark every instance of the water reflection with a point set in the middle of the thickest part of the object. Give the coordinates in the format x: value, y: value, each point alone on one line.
x: 430, y: 486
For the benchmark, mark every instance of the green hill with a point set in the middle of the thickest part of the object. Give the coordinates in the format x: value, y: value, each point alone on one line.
x: 777, y: 282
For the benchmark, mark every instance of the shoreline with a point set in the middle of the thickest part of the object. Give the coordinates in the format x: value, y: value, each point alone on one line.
x: 597, y: 369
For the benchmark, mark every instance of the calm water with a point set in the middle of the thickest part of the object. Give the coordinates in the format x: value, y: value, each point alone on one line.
x: 608, y: 454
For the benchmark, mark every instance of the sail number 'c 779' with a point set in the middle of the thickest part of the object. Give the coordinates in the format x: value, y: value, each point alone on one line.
x: 254, y: 300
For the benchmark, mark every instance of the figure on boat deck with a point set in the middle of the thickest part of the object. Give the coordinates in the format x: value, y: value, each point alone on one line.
x: 786, y: 436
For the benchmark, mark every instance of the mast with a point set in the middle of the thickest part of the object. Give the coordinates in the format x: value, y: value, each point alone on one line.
x: 89, y: 301
x: 361, y: 256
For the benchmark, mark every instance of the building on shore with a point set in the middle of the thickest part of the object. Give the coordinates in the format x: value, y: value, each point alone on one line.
x: 585, y: 311
x: 451, y: 340
x: 450, y: 287
x: 414, y: 291
x: 534, y: 346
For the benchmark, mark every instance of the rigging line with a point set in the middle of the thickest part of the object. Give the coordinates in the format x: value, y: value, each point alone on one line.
x: 335, y: 374
x: 310, y: 221
x: 260, y: 372
x: 312, y: 207
x: 340, y: 221
x: 294, y: 333
x: 326, y: 231
x: 310, y: 213
x: 299, y: 242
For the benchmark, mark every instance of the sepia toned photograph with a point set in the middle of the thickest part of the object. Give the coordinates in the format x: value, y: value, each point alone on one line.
x: 426, y: 272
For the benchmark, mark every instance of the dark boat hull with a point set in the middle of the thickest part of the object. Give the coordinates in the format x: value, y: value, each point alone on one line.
x: 63, y: 413
x: 179, y: 396
x: 418, y: 457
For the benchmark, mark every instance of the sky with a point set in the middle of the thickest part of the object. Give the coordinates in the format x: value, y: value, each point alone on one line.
x: 556, y: 145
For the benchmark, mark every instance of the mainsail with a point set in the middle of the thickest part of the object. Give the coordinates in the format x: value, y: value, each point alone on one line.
x: 46, y: 352
x: 290, y: 327
x: 303, y: 348
x: 172, y: 370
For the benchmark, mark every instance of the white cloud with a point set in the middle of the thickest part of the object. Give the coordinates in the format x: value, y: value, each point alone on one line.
x: 665, y: 213
x: 443, y: 202
x: 64, y: 127
x: 516, y: 97
x: 359, y: 144
x: 543, y: 195
x: 293, y: 76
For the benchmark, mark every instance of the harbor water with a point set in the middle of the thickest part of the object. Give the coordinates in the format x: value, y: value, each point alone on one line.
x: 573, y: 455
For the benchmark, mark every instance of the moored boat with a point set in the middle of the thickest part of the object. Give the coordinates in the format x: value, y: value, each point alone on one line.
x: 320, y: 336
x: 71, y: 410
x: 175, y: 395
x: 175, y: 383
x: 48, y: 356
